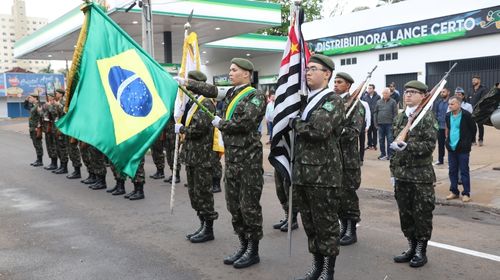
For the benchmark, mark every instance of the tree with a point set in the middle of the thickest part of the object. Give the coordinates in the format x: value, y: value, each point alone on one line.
x: 312, y: 11
x: 47, y: 70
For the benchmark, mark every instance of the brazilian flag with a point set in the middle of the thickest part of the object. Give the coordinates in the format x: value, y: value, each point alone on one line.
x: 118, y: 98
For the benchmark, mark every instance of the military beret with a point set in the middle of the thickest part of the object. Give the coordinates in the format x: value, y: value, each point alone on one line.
x: 61, y: 91
x: 416, y: 85
x: 345, y: 76
x: 50, y: 94
x: 243, y: 63
x: 34, y: 94
x: 323, y: 60
x: 197, y: 75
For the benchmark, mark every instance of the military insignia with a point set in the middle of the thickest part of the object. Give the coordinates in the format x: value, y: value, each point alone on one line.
x: 436, y: 125
x: 256, y: 101
x: 328, y: 106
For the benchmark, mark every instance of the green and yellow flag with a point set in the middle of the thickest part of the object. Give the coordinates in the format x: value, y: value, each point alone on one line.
x: 119, y: 97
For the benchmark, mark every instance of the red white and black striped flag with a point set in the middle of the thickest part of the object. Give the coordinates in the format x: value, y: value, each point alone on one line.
x: 288, y: 99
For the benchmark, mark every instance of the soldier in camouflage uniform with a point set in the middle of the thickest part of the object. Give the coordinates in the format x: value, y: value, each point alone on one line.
x: 85, y: 151
x: 61, y: 139
x: 75, y: 157
x: 243, y: 110
x: 49, y: 130
x: 98, y: 166
x: 197, y: 155
x: 349, y: 213
x: 32, y: 104
x: 217, y: 172
x: 411, y: 167
x: 170, y: 150
x: 138, y: 181
x: 282, y: 193
x: 317, y: 167
x: 158, y: 156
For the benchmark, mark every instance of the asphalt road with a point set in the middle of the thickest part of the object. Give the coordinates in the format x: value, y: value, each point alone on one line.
x: 54, y: 228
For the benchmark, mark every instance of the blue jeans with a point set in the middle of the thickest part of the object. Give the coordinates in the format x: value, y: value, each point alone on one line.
x: 270, y: 130
x: 459, y: 162
x: 385, y: 132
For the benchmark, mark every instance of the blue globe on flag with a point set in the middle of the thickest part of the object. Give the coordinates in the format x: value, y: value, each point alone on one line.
x: 130, y: 91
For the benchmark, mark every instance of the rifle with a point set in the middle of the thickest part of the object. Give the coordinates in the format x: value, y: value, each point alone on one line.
x: 356, y: 95
x: 423, y: 107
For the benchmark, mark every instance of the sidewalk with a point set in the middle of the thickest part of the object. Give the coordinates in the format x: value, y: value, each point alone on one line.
x: 485, y: 182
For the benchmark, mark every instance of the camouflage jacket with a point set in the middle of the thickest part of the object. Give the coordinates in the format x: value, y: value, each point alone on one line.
x: 48, y: 116
x: 351, y: 127
x: 240, y: 133
x: 198, y: 145
x: 170, y: 131
x: 414, y: 164
x: 317, y: 156
x: 35, y: 119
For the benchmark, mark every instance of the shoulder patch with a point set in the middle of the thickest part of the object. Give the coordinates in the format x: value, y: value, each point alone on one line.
x: 256, y: 101
x: 436, y: 125
x: 328, y: 106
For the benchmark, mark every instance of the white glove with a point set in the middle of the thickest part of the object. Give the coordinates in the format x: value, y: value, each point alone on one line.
x: 400, y: 146
x: 393, y: 181
x: 180, y: 81
x: 178, y: 127
x: 216, y: 121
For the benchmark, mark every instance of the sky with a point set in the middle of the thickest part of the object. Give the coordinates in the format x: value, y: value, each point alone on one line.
x: 50, y: 9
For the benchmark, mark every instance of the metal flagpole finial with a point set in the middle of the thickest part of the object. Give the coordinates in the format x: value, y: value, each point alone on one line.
x: 187, y: 26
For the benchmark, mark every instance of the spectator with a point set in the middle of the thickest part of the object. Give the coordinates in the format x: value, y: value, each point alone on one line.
x: 478, y: 91
x: 270, y: 116
x: 385, y: 112
x: 371, y: 97
x: 440, y: 109
x: 460, y: 127
x: 459, y: 92
x: 395, y: 95
x: 362, y: 132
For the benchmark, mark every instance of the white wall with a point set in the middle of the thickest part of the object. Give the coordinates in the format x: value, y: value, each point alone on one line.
x: 3, y: 107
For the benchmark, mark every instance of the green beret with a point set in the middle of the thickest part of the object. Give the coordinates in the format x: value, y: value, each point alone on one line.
x: 417, y: 85
x: 345, y: 76
x: 50, y: 94
x: 34, y: 94
x: 197, y: 75
x: 61, y: 91
x: 323, y: 60
x: 243, y: 63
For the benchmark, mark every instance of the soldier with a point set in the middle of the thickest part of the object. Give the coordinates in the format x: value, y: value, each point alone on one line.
x: 349, y: 212
x: 317, y: 168
x: 75, y: 157
x: 411, y: 167
x: 197, y: 155
x: 138, y: 181
x: 49, y: 130
x: 217, y: 172
x: 282, y: 193
x: 170, y: 150
x: 98, y: 166
x: 85, y: 151
x: 61, y: 139
x: 32, y: 104
x: 158, y: 156
x: 243, y: 110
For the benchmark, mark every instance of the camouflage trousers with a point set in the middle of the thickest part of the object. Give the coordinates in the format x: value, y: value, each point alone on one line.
x: 97, y: 162
x: 37, y: 143
x: 216, y: 165
x: 50, y: 143
x: 349, y: 201
x: 199, y: 181
x: 74, y: 153
x: 157, y: 153
x: 415, y: 203
x: 62, y: 147
x: 139, y: 174
x: 318, y: 207
x: 170, y: 150
x: 282, y: 192
x: 243, y: 185
x: 86, y: 156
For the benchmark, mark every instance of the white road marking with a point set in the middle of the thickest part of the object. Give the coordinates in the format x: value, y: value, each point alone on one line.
x: 464, y: 251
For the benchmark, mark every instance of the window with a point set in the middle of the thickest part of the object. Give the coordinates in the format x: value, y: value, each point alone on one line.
x: 348, y: 61
x: 381, y: 57
x: 354, y: 60
x: 394, y: 55
x: 342, y: 61
x: 388, y: 56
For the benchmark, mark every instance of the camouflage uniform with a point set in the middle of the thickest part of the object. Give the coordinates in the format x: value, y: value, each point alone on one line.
x: 349, y: 204
x: 97, y: 160
x: 74, y: 152
x: 61, y: 139
x: 216, y: 165
x: 317, y: 173
x: 35, y: 121
x: 282, y: 193
x: 414, y: 176
x: 49, y: 130
x: 243, y: 157
x: 86, y: 156
x: 157, y: 151
x: 139, y: 174
x: 197, y: 152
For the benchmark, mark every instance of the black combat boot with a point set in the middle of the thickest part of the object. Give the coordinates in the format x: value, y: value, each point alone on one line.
x: 202, y: 222
x: 115, y: 187
x: 76, y: 174
x: 295, y: 225
x: 206, y: 234
x: 100, y: 184
x: 281, y: 222
x: 169, y: 179
x: 328, y: 268
x: 316, y: 268
x: 239, y: 252
x: 420, y: 258
x: 120, y: 187
x: 343, y: 227
x: 90, y: 180
x: 350, y: 234
x: 63, y: 169
x: 53, y: 164
x: 407, y: 255
x: 158, y: 175
x: 139, y: 194
x: 37, y: 162
x: 177, y: 176
x: 250, y: 257
x: 216, y: 185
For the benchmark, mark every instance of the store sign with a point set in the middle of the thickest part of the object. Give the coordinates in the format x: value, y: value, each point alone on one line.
x: 464, y: 25
x: 222, y: 80
x: 22, y: 84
